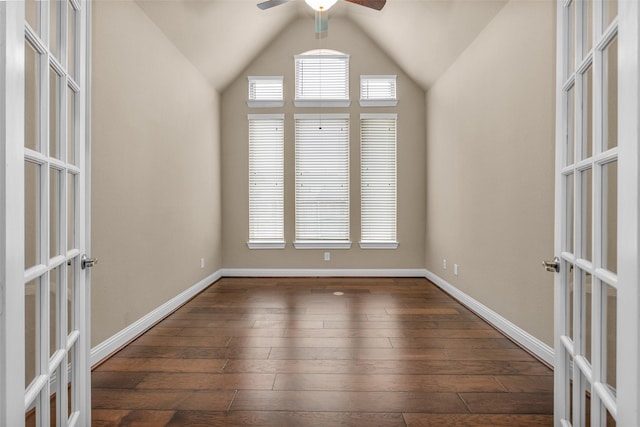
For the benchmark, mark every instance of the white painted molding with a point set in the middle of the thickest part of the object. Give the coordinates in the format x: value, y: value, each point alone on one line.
x: 523, y: 338
x: 120, y: 339
x: 322, y: 244
x: 379, y: 245
x: 322, y: 272
x: 266, y: 245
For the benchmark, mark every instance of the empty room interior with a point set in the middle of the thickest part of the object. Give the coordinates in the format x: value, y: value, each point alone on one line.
x: 170, y: 192
x: 324, y: 297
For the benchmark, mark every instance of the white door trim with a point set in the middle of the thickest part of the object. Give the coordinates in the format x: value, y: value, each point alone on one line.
x: 628, y: 356
x: 11, y: 221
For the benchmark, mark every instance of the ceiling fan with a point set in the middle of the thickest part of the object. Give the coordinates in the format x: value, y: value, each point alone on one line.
x: 322, y: 6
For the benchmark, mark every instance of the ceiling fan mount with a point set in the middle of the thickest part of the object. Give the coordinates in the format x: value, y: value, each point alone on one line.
x: 322, y: 6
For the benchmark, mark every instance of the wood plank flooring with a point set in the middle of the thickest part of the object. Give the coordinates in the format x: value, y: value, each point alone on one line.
x: 288, y: 352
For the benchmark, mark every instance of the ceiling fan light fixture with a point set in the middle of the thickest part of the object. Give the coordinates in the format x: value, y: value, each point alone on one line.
x: 321, y: 5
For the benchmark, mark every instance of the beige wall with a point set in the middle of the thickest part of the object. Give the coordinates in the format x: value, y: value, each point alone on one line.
x: 490, y: 164
x: 366, y: 58
x: 156, y: 169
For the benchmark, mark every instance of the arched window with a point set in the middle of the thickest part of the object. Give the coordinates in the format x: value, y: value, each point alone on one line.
x: 322, y: 79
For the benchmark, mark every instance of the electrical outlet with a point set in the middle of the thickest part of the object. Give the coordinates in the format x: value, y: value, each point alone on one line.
x: 201, y: 262
x: 327, y: 256
x: 444, y: 264
x: 456, y: 269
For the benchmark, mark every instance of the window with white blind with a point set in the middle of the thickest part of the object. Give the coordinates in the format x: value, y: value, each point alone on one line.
x: 378, y: 181
x: 322, y: 181
x: 322, y: 79
x: 378, y: 91
x: 266, y: 181
x: 265, y: 91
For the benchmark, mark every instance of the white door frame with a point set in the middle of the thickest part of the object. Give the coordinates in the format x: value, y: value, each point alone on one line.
x: 629, y: 215
x: 11, y: 220
x: 12, y: 236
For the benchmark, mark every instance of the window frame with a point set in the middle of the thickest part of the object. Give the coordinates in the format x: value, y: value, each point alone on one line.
x: 379, y: 102
x: 265, y: 103
x: 304, y: 101
x: 319, y: 243
x: 266, y: 243
x: 378, y: 243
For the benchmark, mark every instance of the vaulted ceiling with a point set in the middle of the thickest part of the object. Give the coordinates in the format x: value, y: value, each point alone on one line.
x: 221, y: 37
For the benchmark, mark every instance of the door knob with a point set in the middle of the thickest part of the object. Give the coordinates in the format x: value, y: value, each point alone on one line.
x: 86, y: 262
x: 552, y: 266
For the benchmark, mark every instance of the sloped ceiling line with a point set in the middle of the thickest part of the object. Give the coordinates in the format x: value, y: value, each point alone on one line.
x: 222, y: 37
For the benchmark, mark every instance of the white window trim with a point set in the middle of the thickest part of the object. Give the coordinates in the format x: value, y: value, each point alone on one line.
x: 378, y: 116
x: 321, y: 116
x: 322, y: 244
x: 258, y: 244
x: 378, y: 102
x: 378, y: 245
x: 323, y: 103
x: 266, y: 103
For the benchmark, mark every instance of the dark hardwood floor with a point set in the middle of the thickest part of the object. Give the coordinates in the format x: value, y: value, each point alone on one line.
x: 288, y: 352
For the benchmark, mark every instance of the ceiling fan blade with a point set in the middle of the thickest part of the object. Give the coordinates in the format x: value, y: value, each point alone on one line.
x: 322, y: 21
x: 271, y: 3
x: 373, y: 4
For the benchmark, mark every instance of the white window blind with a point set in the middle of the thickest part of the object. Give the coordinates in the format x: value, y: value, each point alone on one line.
x: 378, y: 180
x: 266, y: 181
x: 378, y: 91
x: 322, y: 179
x: 265, y: 91
x: 322, y: 79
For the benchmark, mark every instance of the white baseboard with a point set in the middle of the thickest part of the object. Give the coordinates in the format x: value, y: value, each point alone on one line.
x: 525, y: 339
x: 322, y: 272
x: 120, y: 339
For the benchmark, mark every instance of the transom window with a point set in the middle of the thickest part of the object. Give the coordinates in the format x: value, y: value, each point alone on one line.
x: 265, y: 91
x: 322, y: 79
x: 378, y: 91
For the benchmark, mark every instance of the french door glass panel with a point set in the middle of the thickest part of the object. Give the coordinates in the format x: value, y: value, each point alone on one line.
x: 53, y: 176
x: 609, y: 214
x: 55, y: 16
x: 31, y: 12
x: 71, y: 39
x: 54, y: 110
x: 31, y: 97
x: 610, y: 111
x: 31, y: 214
x: 31, y: 304
x: 588, y: 213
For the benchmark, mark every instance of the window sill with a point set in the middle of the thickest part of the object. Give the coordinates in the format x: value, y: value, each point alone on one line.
x: 379, y: 245
x: 378, y: 102
x: 321, y: 103
x: 265, y: 104
x: 266, y: 244
x: 322, y: 244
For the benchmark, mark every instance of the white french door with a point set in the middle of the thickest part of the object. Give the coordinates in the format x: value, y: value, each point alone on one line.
x: 596, y: 236
x: 44, y: 311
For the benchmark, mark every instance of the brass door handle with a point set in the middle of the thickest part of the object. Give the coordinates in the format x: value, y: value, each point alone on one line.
x: 552, y: 266
x: 86, y: 262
